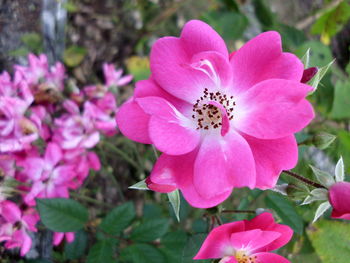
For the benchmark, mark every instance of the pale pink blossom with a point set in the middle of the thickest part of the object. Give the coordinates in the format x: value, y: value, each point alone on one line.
x: 247, y: 241
x: 221, y: 121
x: 339, y: 197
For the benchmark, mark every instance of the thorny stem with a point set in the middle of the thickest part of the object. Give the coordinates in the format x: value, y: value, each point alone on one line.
x: 238, y: 211
x: 303, y: 179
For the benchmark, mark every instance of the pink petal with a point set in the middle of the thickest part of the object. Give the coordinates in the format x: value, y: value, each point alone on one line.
x: 10, y: 211
x: 170, y: 66
x: 161, y: 188
x: 133, y: 122
x: 198, y: 36
x: 273, y: 109
x: 339, y: 197
x: 91, y: 140
x: 178, y: 171
x: 57, y: 238
x: 53, y: 154
x: 222, y: 164
x: 271, y: 157
x: 260, y: 59
x: 94, y: 161
x: 252, y: 240
x: 170, y: 131
x: 70, y: 237
x: 270, y: 257
x: 218, y: 242
x: 266, y: 222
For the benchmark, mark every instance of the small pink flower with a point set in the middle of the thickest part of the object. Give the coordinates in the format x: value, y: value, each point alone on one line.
x: 246, y: 241
x: 339, y: 197
x: 75, y: 129
x: 114, y: 77
x: 221, y: 121
x: 16, y: 225
x: 49, y: 178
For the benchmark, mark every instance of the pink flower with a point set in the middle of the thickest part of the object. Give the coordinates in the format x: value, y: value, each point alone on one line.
x: 221, y: 121
x: 247, y: 241
x: 16, y: 225
x: 50, y: 178
x: 114, y: 77
x: 16, y: 131
x: 339, y: 197
x: 75, y: 129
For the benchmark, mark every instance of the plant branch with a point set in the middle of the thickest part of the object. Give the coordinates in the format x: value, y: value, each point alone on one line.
x: 303, y: 179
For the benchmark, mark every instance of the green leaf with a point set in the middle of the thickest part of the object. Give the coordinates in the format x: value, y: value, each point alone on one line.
x: 139, y: 67
x: 319, y: 76
x: 341, y: 103
x: 118, y: 219
x: 192, y: 247
x: 76, y: 249
x: 331, y: 22
x: 174, y: 198
x: 61, y: 214
x: 150, y: 230
x: 140, y: 185
x: 32, y: 41
x: 102, y: 251
x: 331, y: 240
x: 323, y: 177
x: 317, y: 194
x: 339, y: 170
x: 141, y: 253
x: 286, y: 211
x: 323, y: 140
x: 321, y: 210
x: 174, y: 240
x: 320, y: 54
x: 263, y: 13
x: 306, y: 58
x: 74, y: 55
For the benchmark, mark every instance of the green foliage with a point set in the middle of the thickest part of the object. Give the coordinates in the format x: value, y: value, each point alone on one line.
x: 140, y: 253
x: 102, y: 251
x: 331, y: 240
x: 332, y: 21
x: 150, y: 230
x: 74, y: 55
x: 192, y: 247
x: 341, y: 103
x: 77, y: 248
x: 286, y: 211
x: 61, y: 214
x: 139, y: 67
x: 174, y: 243
x: 118, y: 219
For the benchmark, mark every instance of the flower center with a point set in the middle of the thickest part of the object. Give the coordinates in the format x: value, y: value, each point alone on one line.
x: 209, y: 109
x: 243, y: 257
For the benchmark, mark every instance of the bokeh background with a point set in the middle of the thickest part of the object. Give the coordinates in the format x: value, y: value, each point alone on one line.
x: 88, y: 33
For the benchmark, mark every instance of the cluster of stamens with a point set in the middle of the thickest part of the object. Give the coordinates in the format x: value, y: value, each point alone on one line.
x: 208, y: 115
x: 243, y: 258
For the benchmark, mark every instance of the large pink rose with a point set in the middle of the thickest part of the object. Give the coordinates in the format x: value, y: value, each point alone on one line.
x: 339, y: 197
x: 247, y: 241
x: 221, y: 121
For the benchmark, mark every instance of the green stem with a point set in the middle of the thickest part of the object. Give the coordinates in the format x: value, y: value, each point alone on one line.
x: 121, y: 154
x: 89, y: 199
